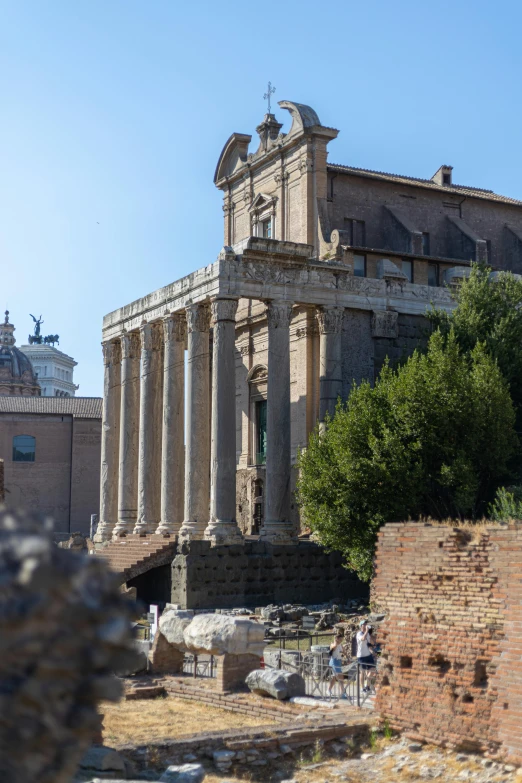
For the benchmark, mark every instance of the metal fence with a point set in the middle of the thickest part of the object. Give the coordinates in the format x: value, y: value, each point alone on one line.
x: 355, y: 683
x: 200, y: 666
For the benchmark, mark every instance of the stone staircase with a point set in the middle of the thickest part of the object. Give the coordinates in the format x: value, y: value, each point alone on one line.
x: 133, y: 555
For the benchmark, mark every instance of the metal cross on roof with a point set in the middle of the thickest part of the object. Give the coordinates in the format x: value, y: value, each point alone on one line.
x: 271, y: 90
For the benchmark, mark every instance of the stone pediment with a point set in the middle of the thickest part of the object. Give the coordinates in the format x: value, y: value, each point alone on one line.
x: 261, y: 201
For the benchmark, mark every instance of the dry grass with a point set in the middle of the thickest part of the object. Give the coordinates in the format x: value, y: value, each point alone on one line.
x: 147, y: 720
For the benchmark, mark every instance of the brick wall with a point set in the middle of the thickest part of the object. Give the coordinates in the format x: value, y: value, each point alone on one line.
x: 451, y: 665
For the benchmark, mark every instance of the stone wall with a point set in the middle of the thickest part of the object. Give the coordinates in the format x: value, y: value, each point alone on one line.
x: 451, y: 665
x: 2, y: 493
x: 253, y: 574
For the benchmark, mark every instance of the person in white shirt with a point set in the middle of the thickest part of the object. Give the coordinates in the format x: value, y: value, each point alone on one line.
x: 364, y: 654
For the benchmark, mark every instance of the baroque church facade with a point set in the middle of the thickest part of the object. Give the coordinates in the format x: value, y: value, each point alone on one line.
x: 325, y: 270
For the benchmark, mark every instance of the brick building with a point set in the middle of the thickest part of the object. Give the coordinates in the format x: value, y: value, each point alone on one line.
x: 51, y: 453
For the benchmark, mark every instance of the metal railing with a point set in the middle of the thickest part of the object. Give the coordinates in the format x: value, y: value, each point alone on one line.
x: 300, y: 640
x: 200, y: 666
x: 355, y: 684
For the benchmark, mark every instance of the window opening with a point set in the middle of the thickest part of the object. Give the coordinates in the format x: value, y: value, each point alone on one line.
x: 266, y: 229
x: 359, y: 266
x: 407, y: 268
x: 433, y: 274
x: 425, y: 243
x: 260, y: 432
x: 24, y: 448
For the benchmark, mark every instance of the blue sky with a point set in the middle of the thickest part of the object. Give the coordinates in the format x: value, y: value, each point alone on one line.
x: 114, y: 113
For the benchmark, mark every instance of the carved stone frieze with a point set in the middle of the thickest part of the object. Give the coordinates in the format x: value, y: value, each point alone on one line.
x: 198, y: 317
x: 175, y: 327
x: 330, y: 319
x: 385, y: 323
x: 279, y: 314
x: 130, y: 345
x: 269, y: 272
x: 111, y: 352
x: 224, y: 309
x: 151, y: 337
x: 306, y: 331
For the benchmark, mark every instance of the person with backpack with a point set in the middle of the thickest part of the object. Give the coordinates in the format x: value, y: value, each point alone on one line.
x: 364, y: 654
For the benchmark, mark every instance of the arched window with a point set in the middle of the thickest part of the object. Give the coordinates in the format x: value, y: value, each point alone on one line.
x: 24, y: 448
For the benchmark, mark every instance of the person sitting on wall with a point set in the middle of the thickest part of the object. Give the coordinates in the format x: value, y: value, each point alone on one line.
x: 364, y: 654
x: 336, y: 649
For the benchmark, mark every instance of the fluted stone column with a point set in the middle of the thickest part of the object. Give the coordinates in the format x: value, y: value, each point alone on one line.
x: 277, y: 526
x: 223, y: 528
x: 173, y: 448
x: 129, y: 434
x: 330, y: 359
x: 151, y: 398
x: 109, y: 441
x: 197, y: 454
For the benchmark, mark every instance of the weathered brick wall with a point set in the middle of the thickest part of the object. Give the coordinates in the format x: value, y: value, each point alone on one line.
x: 451, y: 664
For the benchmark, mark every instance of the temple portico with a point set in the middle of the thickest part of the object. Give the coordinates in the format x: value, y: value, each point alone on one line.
x: 155, y: 480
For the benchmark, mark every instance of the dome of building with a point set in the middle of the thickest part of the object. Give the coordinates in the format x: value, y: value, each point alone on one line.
x: 17, y: 376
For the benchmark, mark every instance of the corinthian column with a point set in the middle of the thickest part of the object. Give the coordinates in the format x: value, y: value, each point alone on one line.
x: 129, y: 434
x: 277, y: 526
x: 222, y: 528
x: 330, y: 359
x: 149, y: 456
x: 109, y: 441
x: 197, y: 456
x: 173, y: 449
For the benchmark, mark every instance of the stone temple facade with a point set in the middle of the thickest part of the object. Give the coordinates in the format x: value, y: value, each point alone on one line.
x: 325, y: 271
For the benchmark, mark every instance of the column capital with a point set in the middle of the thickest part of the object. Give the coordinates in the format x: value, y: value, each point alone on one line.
x: 150, y: 335
x: 198, y: 317
x: 224, y: 309
x: 330, y: 319
x: 130, y: 345
x: 111, y: 352
x: 279, y: 313
x: 175, y: 327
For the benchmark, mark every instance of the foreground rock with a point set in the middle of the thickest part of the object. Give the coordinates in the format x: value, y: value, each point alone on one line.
x: 64, y: 627
x: 186, y: 773
x: 217, y: 634
x: 273, y: 682
x: 102, y: 759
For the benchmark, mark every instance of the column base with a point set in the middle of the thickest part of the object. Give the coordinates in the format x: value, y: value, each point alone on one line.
x: 123, y: 527
x: 167, y: 529
x: 103, y: 532
x: 144, y: 528
x: 278, y: 533
x: 189, y: 531
x: 223, y: 533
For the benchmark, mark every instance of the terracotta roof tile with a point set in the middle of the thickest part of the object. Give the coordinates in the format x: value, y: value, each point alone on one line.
x: 78, y: 407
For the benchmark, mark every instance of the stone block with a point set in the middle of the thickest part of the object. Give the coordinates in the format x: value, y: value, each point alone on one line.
x: 102, y: 759
x: 279, y: 684
x: 184, y: 773
x: 172, y: 625
x: 165, y: 658
x: 219, y: 634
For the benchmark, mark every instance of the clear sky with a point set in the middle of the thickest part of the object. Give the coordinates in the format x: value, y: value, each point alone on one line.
x: 114, y: 113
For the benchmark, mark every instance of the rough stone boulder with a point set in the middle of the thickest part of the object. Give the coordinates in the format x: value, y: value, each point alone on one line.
x: 172, y: 625
x: 218, y: 634
x: 63, y: 629
x: 185, y: 773
x: 277, y: 683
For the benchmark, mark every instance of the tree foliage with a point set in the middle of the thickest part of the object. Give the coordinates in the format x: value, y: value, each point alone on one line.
x: 490, y: 312
x: 432, y: 438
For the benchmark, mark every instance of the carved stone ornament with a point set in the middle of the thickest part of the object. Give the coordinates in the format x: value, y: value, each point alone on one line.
x: 111, y: 352
x: 151, y: 337
x: 330, y: 319
x: 266, y: 272
x: 305, y: 164
x: 385, y: 323
x: 130, y: 345
x: 279, y: 314
x: 224, y: 309
x: 175, y: 327
x: 198, y: 317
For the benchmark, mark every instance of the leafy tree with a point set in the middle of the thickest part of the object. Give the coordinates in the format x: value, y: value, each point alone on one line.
x: 490, y: 311
x: 432, y: 438
x: 507, y: 504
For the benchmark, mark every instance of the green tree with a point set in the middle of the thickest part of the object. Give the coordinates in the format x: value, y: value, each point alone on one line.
x: 490, y: 312
x: 432, y: 438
